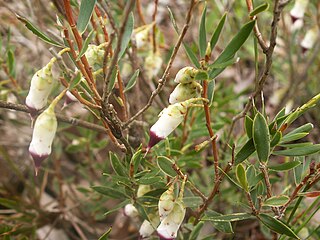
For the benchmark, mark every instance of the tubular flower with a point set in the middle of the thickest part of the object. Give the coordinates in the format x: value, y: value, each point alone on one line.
x: 44, y: 131
x: 147, y: 228
x: 169, y: 119
x: 186, y: 75
x: 95, y: 54
x: 184, y: 91
x: 309, y: 39
x: 131, y: 211
x: 298, y: 10
x: 153, y: 63
x: 170, y: 225
x: 40, y: 88
x: 166, y: 202
x: 69, y: 98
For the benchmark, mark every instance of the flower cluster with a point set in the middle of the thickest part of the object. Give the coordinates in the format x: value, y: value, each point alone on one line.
x: 183, y: 96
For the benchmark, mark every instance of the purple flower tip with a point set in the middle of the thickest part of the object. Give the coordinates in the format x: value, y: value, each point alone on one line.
x: 164, y: 238
x: 37, y: 159
x: 154, y: 139
x: 33, y: 112
x: 293, y: 19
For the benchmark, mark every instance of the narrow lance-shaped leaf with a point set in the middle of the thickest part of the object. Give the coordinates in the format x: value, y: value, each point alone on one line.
x: 126, y: 35
x: 228, y: 218
x: 132, y: 81
x: 116, y: 164
x: 276, y: 201
x: 261, y: 8
x: 245, y: 152
x: 202, y: 33
x: 75, y: 81
x: 165, y: 164
x: 85, y: 45
x: 11, y: 62
x: 299, y: 151
x: 248, y: 123
x: 233, y: 47
x: 285, y: 166
x: 86, y: 9
x: 261, y: 137
x: 38, y: 32
x: 210, y: 92
x: 276, y: 225
x: 217, y: 32
x: 242, y: 177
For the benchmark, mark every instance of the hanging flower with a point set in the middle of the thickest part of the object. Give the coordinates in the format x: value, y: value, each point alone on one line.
x: 309, y: 39
x: 141, y: 36
x: 186, y: 75
x: 131, y: 211
x: 169, y: 119
x: 40, y: 88
x: 298, y: 10
x: 185, y: 91
x: 152, y: 66
x: 44, y: 131
x: 95, y: 54
x: 166, y: 202
x: 147, y: 228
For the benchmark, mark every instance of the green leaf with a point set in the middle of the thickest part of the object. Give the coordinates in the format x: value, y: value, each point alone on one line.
x: 210, y: 91
x: 117, y: 166
x: 192, y: 57
x: 285, y: 166
x: 165, y: 164
x: 38, y: 32
x: 242, y: 177
x: 85, y: 45
x: 106, y: 234
x: 117, y: 207
x: 306, y: 128
x: 228, y: 218
x: 299, y: 151
x: 11, y: 63
x: 293, y: 137
x: 261, y: 137
x: 112, y: 79
x: 276, y: 139
x: 202, y: 33
x: 248, y: 123
x: 298, y: 171
x: 132, y: 81
x: 245, y: 152
x: 225, y: 227
x: 312, y: 194
x: 224, y: 64
x: 261, y: 8
x: 217, y: 32
x: 135, y: 160
x: 234, y: 45
x: 86, y: 9
x: 126, y: 35
x: 201, y: 75
x: 75, y: 81
x: 11, y: 204
x: 196, y: 230
x: 276, y: 225
x: 110, y: 192
x: 276, y: 201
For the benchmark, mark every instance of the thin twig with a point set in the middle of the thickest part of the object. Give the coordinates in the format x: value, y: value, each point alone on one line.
x: 154, y: 15
x: 162, y: 81
x: 140, y: 13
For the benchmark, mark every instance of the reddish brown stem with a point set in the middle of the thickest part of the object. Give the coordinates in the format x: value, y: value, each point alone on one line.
x: 122, y: 95
x: 140, y: 14
x: 103, y: 27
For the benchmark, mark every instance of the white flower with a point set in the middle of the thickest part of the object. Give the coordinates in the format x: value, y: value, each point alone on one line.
x: 131, y: 211
x: 70, y: 98
x: 147, y: 228
x: 141, y: 36
x: 298, y: 10
x: 169, y: 119
x: 185, y: 75
x: 44, y: 131
x: 166, y: 202
x: 170, y: 225
x: 143, y: 189
x: 185, y: 91
x: 95, y: 54
x: 309, y: 39
x: 153, y: 63
x: 40, y: 88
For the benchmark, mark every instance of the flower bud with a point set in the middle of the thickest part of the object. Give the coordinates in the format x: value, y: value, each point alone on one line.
x: 185, y: 91
x: 153, y: 63
x: 186, y: 75
x: 298, y: 10
x: 170, y: 225
x: 44, y: 131
x: 142, y: 190
x: 309, y: 39
x: 169, y: 119
x: 95, y: 54
x: 147, y: 228
x: 166, y: 202
x: 40, y: 88
x: 131, y: 211
x: 69, y: 98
